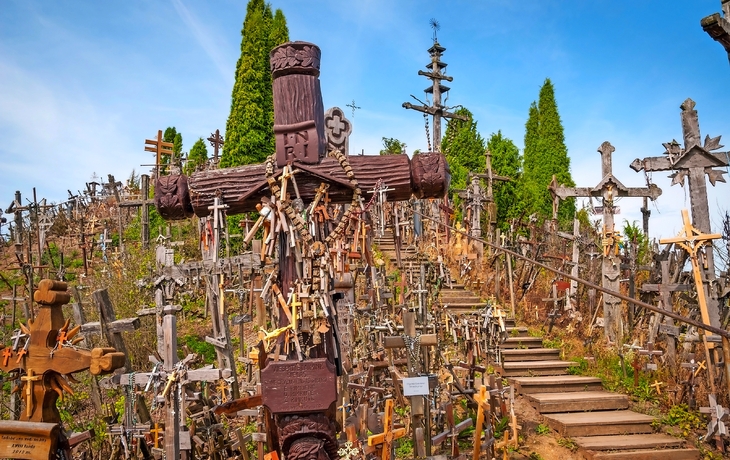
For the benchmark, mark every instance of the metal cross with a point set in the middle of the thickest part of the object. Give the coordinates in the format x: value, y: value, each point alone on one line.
x: 216, y: 140
x: 353, y: 107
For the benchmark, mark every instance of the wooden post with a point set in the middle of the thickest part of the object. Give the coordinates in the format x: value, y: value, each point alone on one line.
x: 172, y: 403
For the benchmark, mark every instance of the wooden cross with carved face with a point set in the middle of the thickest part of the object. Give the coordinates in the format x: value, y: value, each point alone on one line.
x: 45, y: 363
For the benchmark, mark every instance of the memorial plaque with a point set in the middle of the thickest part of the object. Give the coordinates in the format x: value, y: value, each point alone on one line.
x: 28, y: 440
x: 298, y: 387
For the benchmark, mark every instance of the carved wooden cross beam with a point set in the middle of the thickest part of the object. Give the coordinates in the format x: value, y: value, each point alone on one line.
x: 718, y: 27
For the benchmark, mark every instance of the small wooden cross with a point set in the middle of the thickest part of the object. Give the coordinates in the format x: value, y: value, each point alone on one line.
x: 295, y: 304
x: 6, y: 355
x: 483, y: 415
x: 389, y: 434
x: 30, y: 378
x: 222, y: 387
x: 156, y: 431
x: 657, y: 386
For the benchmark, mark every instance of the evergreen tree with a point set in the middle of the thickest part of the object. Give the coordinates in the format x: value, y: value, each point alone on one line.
x: 392, y: 146
x: 463, y: 147
x: 171, y: 135
x: 506, y: 161
x: 545, y: 155
x: 249, y: 129
x: 197, y: 157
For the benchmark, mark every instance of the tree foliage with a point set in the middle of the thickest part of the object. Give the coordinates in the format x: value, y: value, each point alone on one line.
x: 545, y: 155
x: 506, y: 161
x: 250, y: 125
x: 463, y: 147
x: 392, y: 146
x: 197, y: 158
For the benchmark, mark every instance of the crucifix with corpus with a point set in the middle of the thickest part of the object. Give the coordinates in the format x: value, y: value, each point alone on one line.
x: 216, y: 141
x: 607, y: 190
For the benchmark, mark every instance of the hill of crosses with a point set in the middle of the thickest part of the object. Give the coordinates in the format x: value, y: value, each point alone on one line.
x: 323, y: 305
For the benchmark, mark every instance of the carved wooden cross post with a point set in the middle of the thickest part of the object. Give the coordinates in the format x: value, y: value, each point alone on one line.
x: 47, y: 356
x: 608, y: 189
x: 694, y: 161
x: 718, y: 27
x: 301, y: 147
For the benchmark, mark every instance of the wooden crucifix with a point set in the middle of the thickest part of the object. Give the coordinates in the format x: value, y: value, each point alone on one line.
x: 718, y: 27
x: 437, y: 110
x: 607, y: 190
x: 216, y: 141
x: 693, y: 162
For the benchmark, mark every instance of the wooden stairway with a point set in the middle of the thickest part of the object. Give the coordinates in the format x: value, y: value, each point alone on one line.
x: 578, y: 407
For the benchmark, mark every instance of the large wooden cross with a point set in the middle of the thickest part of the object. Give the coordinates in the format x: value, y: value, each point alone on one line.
x: 718, y: 27
x: 389, y: 434
x: 694, y: 161
x: 47, y: 357
x: 607, y: 190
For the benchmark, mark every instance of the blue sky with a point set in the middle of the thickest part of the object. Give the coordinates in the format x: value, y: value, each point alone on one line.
x: 83, y: 83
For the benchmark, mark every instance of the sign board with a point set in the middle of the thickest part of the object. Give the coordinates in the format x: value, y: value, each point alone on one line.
x: 415, y: 386
x: 298, y: 387
x: 28, y: 440
x: 599, y: 210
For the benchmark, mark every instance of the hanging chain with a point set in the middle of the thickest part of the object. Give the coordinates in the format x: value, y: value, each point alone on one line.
x: 428, y: 133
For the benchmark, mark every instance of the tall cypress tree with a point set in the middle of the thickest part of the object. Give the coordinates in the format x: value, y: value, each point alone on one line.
x: 506, y: 161
x: 463, y: 147
x: 545, y: 155
x: 249, y: 129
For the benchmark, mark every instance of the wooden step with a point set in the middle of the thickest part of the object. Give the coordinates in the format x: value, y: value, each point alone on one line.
x: 629, y: 442
x: 658, y: 454
x: 530, y: 354
x: 579, y: 401
x: 460, y: 300
x: 529, y: 368
x: 557, y: 383
x: 522, y: 342
x: 599, y: 423
x: 476, y: 305
x: 517, y: 331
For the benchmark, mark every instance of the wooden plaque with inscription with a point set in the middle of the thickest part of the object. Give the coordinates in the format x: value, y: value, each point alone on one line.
x: 28, y: 440
x: 298, y: 387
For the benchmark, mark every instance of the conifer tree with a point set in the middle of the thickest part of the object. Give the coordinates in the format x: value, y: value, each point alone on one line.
x: 463, y: 147
x: 197, y: 157
x: 249, y: 129
x: 545, y: 155
x: 506, y: 161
